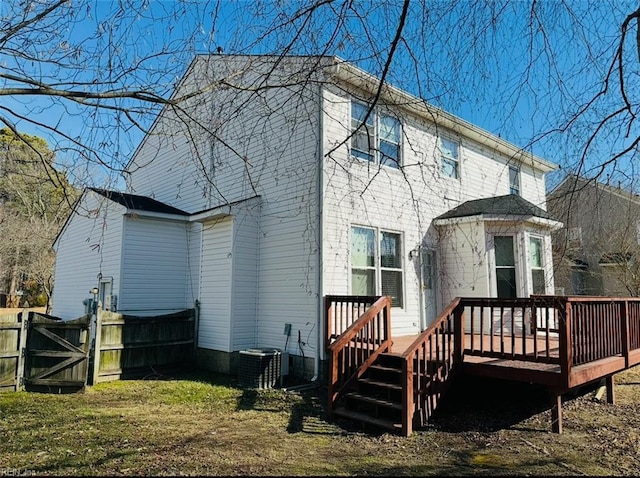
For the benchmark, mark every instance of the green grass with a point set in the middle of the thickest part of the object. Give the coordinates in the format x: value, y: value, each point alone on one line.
x: 204, y: 424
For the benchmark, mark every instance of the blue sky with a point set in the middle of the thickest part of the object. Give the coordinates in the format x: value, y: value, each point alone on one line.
x: 516, y: 72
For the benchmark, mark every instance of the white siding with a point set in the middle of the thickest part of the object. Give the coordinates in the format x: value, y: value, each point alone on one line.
x: 264, y: 145
x: 155, y: 267
x: 360, y: 193
x: 463, y: 261
x: 215, y: 285
x: 245, y: 278
x: 89, y: 245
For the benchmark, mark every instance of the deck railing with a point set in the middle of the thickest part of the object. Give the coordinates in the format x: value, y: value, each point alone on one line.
x: 575, y: 339
x: 357, y: 347
x: 427, y: 366
x: 516, y: 329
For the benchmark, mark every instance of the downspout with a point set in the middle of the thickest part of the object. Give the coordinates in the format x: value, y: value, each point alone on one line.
x: 319, y: 238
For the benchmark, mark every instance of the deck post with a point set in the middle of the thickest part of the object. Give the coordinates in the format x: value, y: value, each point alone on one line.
x: 556, y: 412
x: 328, y: 319
x: 565, y: 347
x: 611, y: 396
x: 407, y: 396
x: 625, y: 334
x: 458, y: 329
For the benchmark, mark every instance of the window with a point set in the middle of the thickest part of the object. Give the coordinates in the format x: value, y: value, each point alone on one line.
x: 449, y: 158
x: 505, y: 267
x: 375, y: 138
x: 376, y: 264
x: 514, y: 180
x: 536, y: 253
x: 574, y: 237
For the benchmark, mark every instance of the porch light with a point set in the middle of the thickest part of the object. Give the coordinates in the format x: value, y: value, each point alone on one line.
x: 414, y: 253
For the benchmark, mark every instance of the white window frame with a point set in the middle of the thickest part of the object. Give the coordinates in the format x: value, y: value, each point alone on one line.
x: 377, y: 267
x: 448, y: 158
x: 543, y: 259
x: 514, y: 267
x: 375, y: 154
x: 514, y: 180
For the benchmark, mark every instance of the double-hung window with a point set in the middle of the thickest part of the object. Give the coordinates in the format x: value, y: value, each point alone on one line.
x: 376, y: 263
x: 376, y: 137
x: 514, y: 180
x: 450, y: 158
x: 536, y: 253
x: 505, y: 267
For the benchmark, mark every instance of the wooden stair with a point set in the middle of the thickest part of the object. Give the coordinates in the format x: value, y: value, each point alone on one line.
x: 376, y: 397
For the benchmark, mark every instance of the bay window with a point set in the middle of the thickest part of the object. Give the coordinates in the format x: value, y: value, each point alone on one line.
x: 376, y: 263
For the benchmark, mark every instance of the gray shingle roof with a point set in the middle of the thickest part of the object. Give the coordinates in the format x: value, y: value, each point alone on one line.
x: 510, y: 205
x: 138, y: 203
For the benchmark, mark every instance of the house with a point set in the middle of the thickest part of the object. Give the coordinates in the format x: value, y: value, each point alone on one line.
x: 596, y: 251
x: 278, y: 181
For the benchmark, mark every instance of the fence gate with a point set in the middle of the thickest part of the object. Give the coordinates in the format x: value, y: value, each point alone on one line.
x: 56, y: 354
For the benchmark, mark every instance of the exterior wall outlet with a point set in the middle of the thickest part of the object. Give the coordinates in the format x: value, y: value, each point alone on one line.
x: 287, y: 329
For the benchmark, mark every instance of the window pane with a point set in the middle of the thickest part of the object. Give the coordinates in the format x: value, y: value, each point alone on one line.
x: 362, y: 139
x: 362, y: 143
x: 390, y: 253
x: 363, y: 247
x: 504, y: 251
x: 537, y: 276
x: 449, y: 168
x: 389, y: 129
x: 449, y: 148
x: 389, y: 154
x: 514, y: 180
x: 392, y: 285
x: 358, y: 112
x: 535, y: 250
x: 363, y: 282
x: 506, y: 282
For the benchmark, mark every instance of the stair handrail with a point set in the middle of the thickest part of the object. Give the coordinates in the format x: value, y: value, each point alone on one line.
x: 366, y: 322
x: 447, y: 355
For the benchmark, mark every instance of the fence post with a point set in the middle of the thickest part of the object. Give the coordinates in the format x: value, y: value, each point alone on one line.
x: 96, y: 346
x: 22, y: 349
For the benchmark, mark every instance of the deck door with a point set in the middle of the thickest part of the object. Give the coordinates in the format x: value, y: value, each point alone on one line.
x: 428, y: 286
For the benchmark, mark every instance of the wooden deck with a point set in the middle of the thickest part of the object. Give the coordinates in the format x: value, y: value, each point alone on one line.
x: 558, y: 342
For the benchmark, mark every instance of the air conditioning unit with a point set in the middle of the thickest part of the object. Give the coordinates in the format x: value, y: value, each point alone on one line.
x: 262, y: 368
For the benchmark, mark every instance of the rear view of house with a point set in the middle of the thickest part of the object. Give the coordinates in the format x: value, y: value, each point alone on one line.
x: 276, y: 182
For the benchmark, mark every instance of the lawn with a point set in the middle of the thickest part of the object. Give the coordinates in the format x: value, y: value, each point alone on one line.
x: 203, y: 424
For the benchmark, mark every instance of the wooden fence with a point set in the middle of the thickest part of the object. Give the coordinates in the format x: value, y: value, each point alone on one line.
x: 43, y: 353
x: 128, y: 346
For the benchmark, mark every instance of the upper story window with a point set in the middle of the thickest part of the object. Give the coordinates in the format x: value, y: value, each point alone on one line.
x: 375, y: 138
x: 450, y: 158
x: 514, y: 180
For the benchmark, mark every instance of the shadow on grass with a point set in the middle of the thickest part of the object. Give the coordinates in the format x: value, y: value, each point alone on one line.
x: 488, y: 405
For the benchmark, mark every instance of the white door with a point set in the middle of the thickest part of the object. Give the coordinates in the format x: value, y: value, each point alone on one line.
x: 428, y: 285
